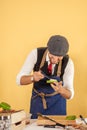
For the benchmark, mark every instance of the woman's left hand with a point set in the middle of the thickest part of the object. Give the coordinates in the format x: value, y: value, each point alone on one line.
x: 56, y: 86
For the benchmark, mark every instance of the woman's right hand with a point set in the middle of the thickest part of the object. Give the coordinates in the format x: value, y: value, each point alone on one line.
x: 37, y: 75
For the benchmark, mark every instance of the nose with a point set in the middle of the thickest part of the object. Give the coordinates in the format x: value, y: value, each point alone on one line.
x: 55, y: 59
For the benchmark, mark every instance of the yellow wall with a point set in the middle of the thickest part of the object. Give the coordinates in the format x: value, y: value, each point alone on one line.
x: 27, y: 24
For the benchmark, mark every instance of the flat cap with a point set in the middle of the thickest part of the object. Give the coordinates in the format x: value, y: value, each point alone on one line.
x: 58, y: 45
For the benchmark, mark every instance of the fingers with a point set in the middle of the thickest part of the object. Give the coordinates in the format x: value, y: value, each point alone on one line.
x: 38, y: 75
x: 56, y: 86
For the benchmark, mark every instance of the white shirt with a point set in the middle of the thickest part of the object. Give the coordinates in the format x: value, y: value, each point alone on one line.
x: 31, y: 61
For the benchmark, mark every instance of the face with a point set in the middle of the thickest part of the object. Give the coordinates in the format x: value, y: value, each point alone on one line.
x: 54, y: 59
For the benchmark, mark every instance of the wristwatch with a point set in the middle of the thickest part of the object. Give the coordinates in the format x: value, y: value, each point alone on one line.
x: 32, y: 78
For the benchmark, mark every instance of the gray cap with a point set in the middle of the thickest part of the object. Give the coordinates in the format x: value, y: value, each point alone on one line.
x: 58, y: 45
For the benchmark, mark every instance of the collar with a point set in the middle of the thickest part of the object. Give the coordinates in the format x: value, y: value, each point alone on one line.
x: 47, y: 58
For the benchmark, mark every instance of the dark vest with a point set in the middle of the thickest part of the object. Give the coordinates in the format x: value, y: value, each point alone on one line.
x: 40, y: 52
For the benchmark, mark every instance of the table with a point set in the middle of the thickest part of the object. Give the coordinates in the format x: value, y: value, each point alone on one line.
x: 33, y: 126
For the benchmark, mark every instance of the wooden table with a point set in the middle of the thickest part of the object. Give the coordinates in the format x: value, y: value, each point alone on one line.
x: 33, y: 126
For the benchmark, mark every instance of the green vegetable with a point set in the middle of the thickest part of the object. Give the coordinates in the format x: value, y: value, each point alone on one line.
x: 71, y: 117
x: 5, y: 106
x: 51, y: 81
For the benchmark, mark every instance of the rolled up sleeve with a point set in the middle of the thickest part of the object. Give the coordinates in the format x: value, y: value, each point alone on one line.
x: 27, y: 66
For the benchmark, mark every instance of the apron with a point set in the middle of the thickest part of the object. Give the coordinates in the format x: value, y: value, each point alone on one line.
x: 55, y: 103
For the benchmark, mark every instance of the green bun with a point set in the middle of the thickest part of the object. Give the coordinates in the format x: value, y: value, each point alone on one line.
x: 51, y: 81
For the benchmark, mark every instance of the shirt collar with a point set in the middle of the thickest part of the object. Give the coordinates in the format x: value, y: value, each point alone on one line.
x: 47, y: 58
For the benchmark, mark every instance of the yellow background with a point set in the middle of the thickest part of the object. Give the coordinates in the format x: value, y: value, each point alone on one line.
x: 27, y: 24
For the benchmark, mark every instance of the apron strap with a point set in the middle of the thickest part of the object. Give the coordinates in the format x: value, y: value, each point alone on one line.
x: 43, y: 95
x: 59, y: 68
x: 43, y: 59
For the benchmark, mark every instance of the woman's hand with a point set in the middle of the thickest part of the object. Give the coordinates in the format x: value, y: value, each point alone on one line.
x: 38, y: 76
x: 56, y: 86
x: 27, y: 79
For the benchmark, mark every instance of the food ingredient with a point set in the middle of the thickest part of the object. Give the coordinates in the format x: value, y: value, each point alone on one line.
x: 51, y: 81
x: 5, y: 106
x: 71, y: 117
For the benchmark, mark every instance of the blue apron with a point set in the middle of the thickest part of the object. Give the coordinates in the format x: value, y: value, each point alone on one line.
x: 56, y: 104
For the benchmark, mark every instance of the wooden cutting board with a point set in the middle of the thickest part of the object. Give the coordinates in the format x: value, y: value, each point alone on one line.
x: 59, y: 119
x: 83, y: 127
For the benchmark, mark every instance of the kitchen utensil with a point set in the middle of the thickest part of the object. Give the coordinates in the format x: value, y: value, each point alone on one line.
x: 56, y: 123
x: 45, y: 75
x: 83, y: 119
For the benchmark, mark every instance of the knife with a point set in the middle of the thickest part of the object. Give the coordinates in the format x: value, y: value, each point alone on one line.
x: 82, y: 118
x: 46, y: 117
x: 45, y: 75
